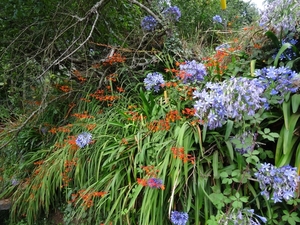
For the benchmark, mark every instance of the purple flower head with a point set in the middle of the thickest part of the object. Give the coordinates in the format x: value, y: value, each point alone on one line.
x: 191, y: 71
x: 233, y: 98
x: 83, y: 139
x: 222, y: 47
x: 244, y: 142
x: 242, y: 216
x: 155, y: 183
x: 15, y: 182
x: 281, y: 15
x: 148, y: 23
x: 263, y: 219
x: 172, y: 13
x: 44, y: 130
x: 280, y: 183
x: 153, y: 80
x: 277, y: 81
x: 162, y: 4
x: 179, y: 218
x: 217, y: 19
x: 288, y: 54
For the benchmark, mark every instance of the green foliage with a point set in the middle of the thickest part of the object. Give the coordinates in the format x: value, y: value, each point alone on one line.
x: 86, y: 75
x: 288, y: 143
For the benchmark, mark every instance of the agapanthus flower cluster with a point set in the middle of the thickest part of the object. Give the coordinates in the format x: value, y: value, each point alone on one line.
x: 83, y: 139
x: 155, y: 183
x: 179, y: 218
x: 277, y: 81
x: 162, y: 4
x: 192, y: 71
x: 217, y: 19
x: 242, y: 217
x: 288, y: 54
x: 15, y: 182
x: 279, y: 183
x: 172, y: 13
x: 222, y: 47
x: 152, y: 182
x: 281, y: 15
x: 148, y: 23
x: 244, y: 142
x: 231, y: 99
x: 153, y: 80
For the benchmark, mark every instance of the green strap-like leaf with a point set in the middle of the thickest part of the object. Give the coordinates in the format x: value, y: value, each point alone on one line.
x: 273, y: 37
x: 289, y: 133
x: 229, y: 126
x: 215, y: 165
x: 295, y: 102
x: 284, y: 47
x: 286, y: 108
x: 279, y: 146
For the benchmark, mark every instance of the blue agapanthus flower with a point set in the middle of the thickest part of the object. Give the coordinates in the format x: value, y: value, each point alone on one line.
x: 148, y: 23
x: 217, y: 19
x: 242, y: 217
x: 83, y: 139
x: 231, y: 99
x: 153, y: 80
x: 280, y: 183
x: 15, y: 182
x: 192, y: 71
x: 155, y: 183
x: 222, y: 47
x: 244, y: 142
x: 179, y: 218
x: 276, y: 16
x: 288, y: 54
x: 172, y: 13
x: 278, y: 82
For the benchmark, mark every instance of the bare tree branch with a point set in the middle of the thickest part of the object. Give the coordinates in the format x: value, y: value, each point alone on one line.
x: 147, y: 10
x: 65, y: 54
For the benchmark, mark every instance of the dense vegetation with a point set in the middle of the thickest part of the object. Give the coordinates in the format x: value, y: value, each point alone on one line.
x: 149, y: 112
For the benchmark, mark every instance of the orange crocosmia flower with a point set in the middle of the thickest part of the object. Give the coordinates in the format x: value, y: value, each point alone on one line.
x: 132, y: 106
x: 90, y: 126
x: 171, y: 70
x: 173, y: 115
x: 53, y: 130
x: 257, y: 46
x: 65, y: 88
x: 120, y: 89
x: 115, y: 58
x: 82, y: 115
x: 151, y: 171
x: 99, y: 193
x: 189, y: 112
x: 159, y: 125
x: 112, y: 77
x: 96, y: 65
x: 79, y: 76
x: 124, y: 141
x: 37, y: 163
x: 179, y: 153
x: 169, y: 84
x: 72, y: 141
x: 142, y: 182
